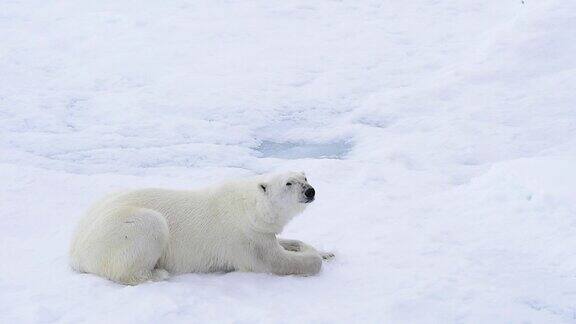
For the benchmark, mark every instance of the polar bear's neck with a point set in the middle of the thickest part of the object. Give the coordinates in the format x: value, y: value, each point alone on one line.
x: 265, y: 219
x: 262, y: 217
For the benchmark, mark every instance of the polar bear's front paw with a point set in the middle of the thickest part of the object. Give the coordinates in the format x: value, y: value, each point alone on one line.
x: 327, y: 256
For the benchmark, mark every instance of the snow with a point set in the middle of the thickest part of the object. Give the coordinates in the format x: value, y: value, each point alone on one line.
x: 440, y: 137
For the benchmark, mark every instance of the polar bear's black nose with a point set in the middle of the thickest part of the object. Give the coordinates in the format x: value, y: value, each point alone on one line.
x: 310, y: 193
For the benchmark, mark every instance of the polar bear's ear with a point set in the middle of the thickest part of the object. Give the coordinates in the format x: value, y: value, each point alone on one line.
x: 262, y: 186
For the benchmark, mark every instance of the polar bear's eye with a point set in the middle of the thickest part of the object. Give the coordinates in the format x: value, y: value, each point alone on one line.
x: 288, y: 183
x: 305, y: 179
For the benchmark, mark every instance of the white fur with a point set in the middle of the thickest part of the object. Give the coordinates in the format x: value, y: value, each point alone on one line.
x: 142, y: 235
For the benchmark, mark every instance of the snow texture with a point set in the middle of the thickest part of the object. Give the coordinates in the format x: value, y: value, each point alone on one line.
x: 440, y: 137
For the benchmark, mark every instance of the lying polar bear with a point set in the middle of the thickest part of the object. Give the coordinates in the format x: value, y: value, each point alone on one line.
x: 146, y: 234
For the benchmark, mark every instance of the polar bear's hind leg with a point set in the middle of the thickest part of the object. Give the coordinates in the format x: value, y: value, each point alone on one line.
x: 127, y: 245
x: 145, y: 240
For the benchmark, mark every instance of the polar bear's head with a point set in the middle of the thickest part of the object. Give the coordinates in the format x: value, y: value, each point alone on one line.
x: 286, y: 195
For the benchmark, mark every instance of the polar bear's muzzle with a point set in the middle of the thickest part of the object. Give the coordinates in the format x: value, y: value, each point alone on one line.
x: 309, y: 193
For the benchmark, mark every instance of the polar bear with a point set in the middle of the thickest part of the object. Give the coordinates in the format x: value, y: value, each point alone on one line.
x: 147, y: 234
